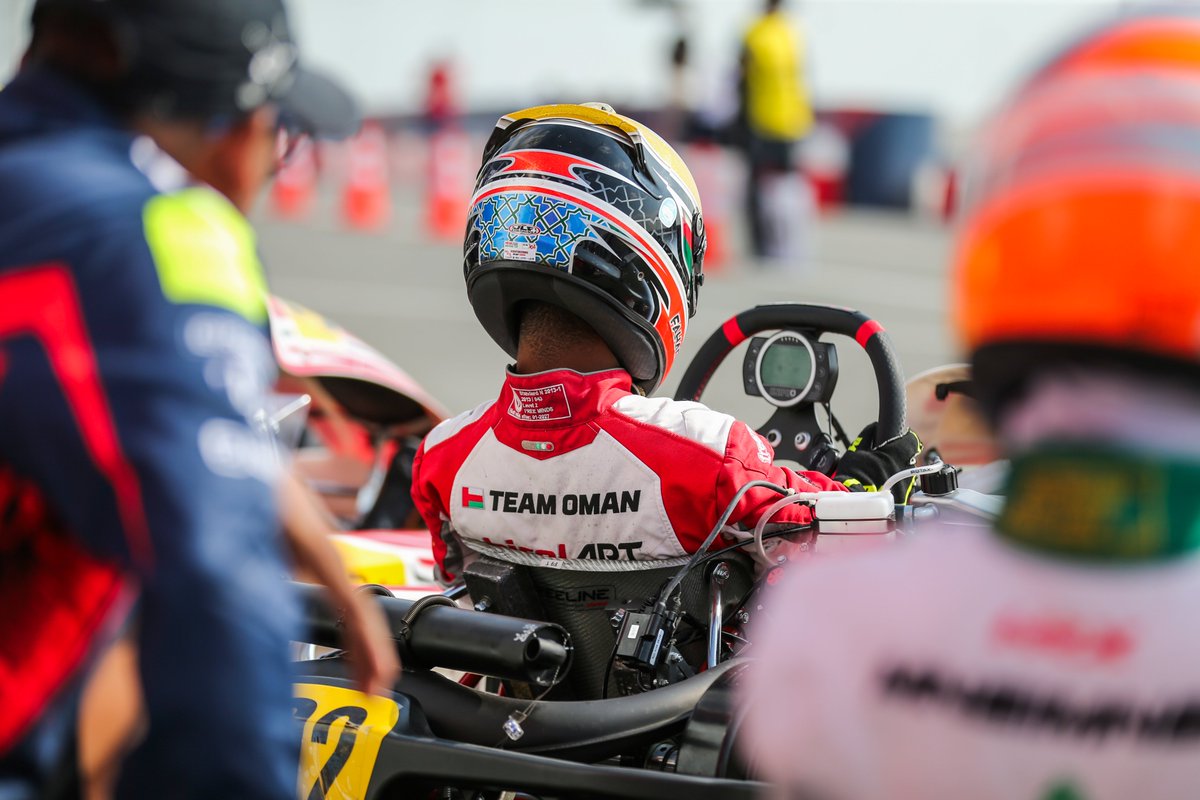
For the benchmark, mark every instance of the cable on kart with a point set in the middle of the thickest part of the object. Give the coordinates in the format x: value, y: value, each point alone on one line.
x: 660, y: 607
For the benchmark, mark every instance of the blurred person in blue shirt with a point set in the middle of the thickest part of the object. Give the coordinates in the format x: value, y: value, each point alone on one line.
x: 132, y: 352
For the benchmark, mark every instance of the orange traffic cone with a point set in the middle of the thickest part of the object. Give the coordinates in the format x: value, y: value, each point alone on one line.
x: 708, y: 166
x: 448, y: 187
x: 295, y: 186
x: 716, y: 255
x: 366, y: 200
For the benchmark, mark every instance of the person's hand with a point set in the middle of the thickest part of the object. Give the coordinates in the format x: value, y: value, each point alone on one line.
x: 370, y: 648
x: 867, y: 464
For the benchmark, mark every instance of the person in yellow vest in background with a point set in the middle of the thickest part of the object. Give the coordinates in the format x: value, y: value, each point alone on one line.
x: 776, y: 111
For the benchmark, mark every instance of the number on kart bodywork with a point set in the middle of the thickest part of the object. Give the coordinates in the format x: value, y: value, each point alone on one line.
x: 354, y: 717
x: 343, y: 730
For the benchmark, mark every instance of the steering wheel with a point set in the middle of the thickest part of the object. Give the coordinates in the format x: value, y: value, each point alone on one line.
x: 793, y: 430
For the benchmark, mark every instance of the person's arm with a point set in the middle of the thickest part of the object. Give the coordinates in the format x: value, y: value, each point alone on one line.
x: 448, y: 550
x: 748, y: 457
x: 372, y: 651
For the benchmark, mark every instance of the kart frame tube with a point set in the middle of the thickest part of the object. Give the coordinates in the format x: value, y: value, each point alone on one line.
x: 435, y: 760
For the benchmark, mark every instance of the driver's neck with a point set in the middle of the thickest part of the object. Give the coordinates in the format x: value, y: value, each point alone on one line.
x: 587, y: 356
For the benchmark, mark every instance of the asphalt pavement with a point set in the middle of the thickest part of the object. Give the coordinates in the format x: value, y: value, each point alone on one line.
x: 402, y: 291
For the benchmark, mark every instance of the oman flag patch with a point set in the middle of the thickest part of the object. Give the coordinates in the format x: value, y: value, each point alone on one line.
x: 472, y: 497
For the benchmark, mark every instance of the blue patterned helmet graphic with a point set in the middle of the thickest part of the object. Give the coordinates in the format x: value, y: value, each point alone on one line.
x: 522, y: 226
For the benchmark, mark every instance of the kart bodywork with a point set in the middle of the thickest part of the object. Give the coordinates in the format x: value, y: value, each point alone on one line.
x: 366, y: 415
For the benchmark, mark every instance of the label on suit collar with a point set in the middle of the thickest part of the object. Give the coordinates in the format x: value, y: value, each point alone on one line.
x: 542, y: 404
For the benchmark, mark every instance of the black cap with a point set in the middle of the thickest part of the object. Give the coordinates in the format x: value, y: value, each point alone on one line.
x: 209, y: 59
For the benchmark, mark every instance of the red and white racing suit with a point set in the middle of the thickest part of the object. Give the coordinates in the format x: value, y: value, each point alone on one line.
x: 566, y: 466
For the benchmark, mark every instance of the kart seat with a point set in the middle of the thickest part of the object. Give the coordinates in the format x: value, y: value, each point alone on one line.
x: 584, y: 602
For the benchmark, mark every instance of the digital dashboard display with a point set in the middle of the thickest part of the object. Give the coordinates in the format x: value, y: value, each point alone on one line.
x: 786, y: 365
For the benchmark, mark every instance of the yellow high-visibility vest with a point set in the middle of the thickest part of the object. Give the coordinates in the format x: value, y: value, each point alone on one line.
x: 777, y: 101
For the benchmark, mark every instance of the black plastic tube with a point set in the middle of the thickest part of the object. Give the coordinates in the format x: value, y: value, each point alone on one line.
x: 455, y: 638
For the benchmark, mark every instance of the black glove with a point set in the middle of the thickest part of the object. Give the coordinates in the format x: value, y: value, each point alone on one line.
x: 867, y: 465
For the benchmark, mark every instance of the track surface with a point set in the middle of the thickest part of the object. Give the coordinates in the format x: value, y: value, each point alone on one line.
x: 403, y: 292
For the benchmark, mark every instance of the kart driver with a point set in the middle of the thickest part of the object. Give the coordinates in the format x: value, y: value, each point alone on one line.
x: 583, y: 258
x: 1054, y: 657
x: 132, y: 350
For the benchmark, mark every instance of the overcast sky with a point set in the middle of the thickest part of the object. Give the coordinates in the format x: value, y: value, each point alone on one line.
x: 952, y: 57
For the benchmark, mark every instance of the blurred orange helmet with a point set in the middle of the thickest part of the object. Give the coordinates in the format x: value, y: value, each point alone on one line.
x: 1080, y: 238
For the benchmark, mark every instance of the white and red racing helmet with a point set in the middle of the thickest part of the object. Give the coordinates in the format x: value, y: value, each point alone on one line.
x: 590, y: 211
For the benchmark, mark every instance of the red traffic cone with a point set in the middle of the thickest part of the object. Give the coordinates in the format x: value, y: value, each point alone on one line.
x: 366, y: 200
x: 448, y: 185
x: 295, y: 186
x: 708, y: 166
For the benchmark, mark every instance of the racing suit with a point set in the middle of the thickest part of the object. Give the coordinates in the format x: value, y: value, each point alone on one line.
x: 1051, y: 659
x: 567, y: 466
x: 132, y: 348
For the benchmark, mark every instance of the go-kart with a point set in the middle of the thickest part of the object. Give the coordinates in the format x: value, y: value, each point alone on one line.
x: 614, y: 684
x: 358, y: 419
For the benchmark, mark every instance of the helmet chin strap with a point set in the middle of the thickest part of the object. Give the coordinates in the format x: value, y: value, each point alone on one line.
x: 1100, y: 407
